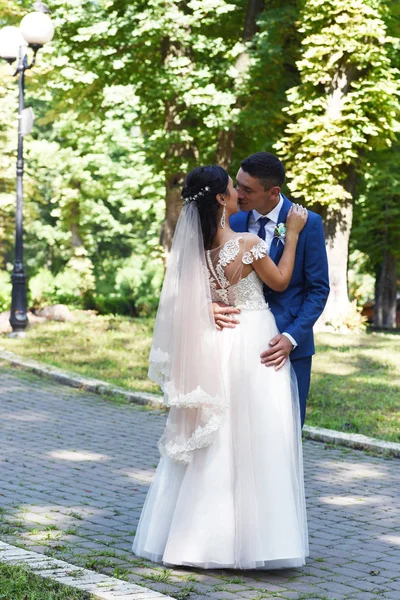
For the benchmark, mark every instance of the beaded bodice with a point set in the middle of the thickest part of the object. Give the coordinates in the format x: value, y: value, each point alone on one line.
x: 225, y: 272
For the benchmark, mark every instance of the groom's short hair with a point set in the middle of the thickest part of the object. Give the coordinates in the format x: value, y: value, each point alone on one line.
x: 265, y: 166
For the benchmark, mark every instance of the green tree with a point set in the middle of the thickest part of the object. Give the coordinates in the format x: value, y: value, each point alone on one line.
x: 377, y: 210
x: 272, y: 70
x: 128, y: 97
x: 91, y: 201
x: 377, y: 230
x: 95, y: 203
x: 345, y: 106
x: 210, y: 78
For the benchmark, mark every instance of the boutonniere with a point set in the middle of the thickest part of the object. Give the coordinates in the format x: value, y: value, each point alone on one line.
x: 280, y: 232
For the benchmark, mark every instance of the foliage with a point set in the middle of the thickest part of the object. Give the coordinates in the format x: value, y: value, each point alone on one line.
x: 377, y: 214
x: 361, y: 283
x: 5, y: 291
x: 90, y: 199
x: 175, y: 57
x: 376, y: 229
x: 272, y: 53
x: 130, y: 95
x: 135, y: 290
x: 69, y: 286
x: 347, y: 102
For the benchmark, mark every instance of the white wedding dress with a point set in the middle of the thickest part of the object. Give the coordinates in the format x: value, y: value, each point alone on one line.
x: 240, y: 502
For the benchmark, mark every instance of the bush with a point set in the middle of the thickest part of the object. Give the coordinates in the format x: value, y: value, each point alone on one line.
x: 69, y: 286
x: 42, y: 288
x: 136, y: 289
x: 133, y: 288
x: 5, y: 291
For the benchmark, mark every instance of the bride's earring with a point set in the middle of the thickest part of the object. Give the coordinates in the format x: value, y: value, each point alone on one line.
x: 223, y: 218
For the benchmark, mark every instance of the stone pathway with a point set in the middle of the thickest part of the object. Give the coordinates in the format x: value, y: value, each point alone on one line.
x: 74, y: 471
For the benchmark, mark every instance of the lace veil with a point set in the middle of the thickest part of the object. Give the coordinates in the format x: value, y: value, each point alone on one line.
x: 184, y: 358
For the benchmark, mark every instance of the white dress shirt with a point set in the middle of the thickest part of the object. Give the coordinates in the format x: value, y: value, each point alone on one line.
x: 254, y: 226
x: 273, y: 217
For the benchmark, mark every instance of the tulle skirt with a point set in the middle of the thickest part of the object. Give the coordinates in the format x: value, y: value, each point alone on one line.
x: 240, y: 503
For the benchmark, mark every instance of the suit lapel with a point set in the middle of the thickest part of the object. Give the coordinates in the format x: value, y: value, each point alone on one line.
x: 240, y: 221
x: 277, y: 247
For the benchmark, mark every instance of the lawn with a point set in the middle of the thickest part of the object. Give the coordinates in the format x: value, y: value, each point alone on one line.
x: 105, y: 347
x: 19, y: 583
x: 355, y: 384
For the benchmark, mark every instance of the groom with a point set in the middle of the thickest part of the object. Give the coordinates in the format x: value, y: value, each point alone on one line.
x: 263, y: 211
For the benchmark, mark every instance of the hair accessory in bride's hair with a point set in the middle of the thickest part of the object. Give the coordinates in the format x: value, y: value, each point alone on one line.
x: 199, y: 194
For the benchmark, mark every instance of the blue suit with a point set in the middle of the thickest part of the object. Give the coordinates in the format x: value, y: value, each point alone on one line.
x: 299, y: 306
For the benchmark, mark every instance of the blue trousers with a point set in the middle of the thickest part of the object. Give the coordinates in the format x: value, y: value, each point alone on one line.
x: 302, y: 368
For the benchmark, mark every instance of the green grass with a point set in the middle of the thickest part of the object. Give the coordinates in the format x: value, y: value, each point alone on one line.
x: 105, y: 347
x: 355, y: 383
x: 19, y: 583
x: 163, y: 575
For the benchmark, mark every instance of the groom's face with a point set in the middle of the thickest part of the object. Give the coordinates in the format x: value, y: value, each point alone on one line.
x: 252, y: 194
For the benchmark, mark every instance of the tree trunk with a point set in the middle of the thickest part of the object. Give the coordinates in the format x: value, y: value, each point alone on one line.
x: 338, y: 223
x: 386, y: 293
x: 173, y: 201
x: 337, y: 232
x: 76, y: 239
x: 226, y: 144
x: 73, y: 218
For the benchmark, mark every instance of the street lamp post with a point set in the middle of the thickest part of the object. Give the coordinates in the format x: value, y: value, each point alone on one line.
x: 36, y: 29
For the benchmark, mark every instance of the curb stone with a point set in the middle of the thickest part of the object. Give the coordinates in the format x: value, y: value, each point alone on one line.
x: 352, y: 440
x: 102, y: 587
x: 319, y: 434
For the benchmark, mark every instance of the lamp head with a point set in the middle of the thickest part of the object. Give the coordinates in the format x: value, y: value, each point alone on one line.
x: 37, y: 27
x: 12, y: 43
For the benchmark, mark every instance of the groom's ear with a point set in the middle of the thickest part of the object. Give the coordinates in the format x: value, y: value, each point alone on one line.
x: 275, y: 191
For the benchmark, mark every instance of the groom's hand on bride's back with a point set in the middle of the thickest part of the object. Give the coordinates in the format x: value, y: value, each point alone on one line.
x: 225, y: 316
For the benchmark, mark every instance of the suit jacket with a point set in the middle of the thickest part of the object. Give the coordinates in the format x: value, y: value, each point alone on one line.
x: 299, y: 306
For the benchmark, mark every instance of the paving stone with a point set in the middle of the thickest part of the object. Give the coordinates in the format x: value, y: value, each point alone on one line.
x: 223, y: 596
x: 265, y: 586
x: 82, y: 464
x: 365, y: 596
x: 248, y: 594
x: 391, y: 595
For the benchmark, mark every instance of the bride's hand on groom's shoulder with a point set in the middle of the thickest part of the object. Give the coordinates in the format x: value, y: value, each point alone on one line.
x: 224, y: 316
x: 296, y: 219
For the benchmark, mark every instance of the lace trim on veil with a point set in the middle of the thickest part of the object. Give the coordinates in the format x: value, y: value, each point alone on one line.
x: 202, y: 437
x: 208, y: 417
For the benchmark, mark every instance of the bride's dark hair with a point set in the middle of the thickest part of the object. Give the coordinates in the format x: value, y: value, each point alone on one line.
x: 201, y: 186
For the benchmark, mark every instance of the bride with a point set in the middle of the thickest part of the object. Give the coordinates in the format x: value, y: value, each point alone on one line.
x: 228, y: 491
